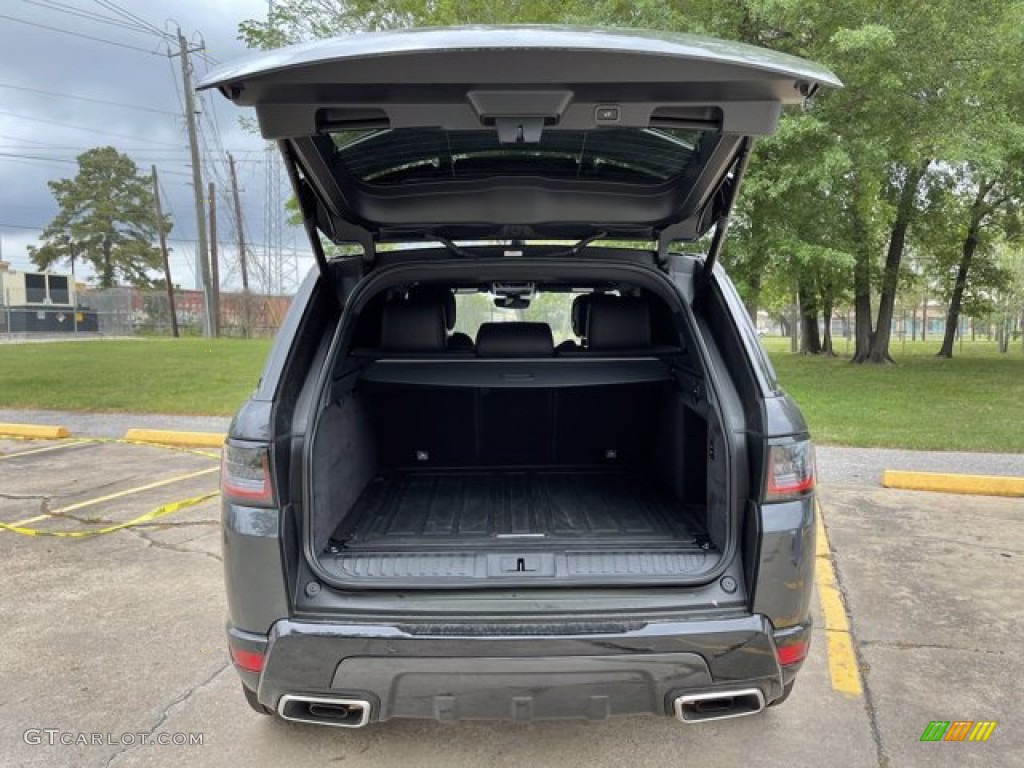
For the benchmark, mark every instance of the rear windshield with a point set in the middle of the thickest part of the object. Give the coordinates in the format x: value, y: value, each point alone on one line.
x: 555, y: 308
x: 641, y: 155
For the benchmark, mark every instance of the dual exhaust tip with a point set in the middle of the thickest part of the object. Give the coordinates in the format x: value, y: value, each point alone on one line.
x: 720, y: 705
x: 355, y: 713
x: 322, y: 710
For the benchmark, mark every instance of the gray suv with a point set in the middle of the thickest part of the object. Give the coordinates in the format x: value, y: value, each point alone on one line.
x: 515, y: 454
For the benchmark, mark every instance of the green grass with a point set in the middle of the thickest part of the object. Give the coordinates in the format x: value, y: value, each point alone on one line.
x: 973, y: 402
x: 188, y: 376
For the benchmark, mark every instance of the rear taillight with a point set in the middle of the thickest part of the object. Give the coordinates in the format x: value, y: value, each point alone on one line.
x: 250, y: 661
x: 790, y: 471
x: 245, y: 475
x: 792, y: 653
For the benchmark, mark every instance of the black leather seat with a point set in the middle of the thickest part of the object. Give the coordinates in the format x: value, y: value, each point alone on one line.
x: 618, y: 325
x: 504, y: 340
x: 578, y: 315
x: 413, y: 325
x: 457, y: 340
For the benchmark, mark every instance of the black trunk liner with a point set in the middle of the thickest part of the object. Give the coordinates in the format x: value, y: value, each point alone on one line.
x: 477, y: 528
x: 517, y: 509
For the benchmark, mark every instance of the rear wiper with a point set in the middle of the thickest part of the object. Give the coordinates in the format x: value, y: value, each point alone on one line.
x: 575, y: 250
x: 457, y: 250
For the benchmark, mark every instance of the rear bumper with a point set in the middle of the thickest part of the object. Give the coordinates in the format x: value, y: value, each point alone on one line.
x: 448, y: 673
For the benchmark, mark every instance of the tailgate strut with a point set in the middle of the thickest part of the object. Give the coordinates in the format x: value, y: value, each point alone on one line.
x: 307, y: 207
x: 722, y: 225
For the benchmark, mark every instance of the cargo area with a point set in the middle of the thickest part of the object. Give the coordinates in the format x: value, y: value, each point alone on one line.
x: 476, y: 486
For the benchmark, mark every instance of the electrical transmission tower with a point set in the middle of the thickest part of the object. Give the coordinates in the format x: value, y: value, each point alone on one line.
x: 273, y: 249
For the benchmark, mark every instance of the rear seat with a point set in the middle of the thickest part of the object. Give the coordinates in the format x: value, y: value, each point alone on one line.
x: 614, y: 325
x: 418, y: 326
x: 522, y: 340
x: 456, y: 340
x: 619, y: 324
x: 578, y: 314
x: 413, y: 325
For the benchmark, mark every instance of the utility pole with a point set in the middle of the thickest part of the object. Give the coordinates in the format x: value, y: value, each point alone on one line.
x: 214, y: 262
x: 203, y: 266
x: 163, y: 254
x: 242, y: 262
x: 238, y: 222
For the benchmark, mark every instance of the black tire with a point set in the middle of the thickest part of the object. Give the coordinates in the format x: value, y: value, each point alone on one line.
x: 250, y: 696
x: 786, y: 690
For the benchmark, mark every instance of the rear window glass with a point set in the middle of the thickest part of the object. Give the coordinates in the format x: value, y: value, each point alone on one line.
x: 648, y: 155
x: 474, y: 309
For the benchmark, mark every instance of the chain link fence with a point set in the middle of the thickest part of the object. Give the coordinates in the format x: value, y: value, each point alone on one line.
x: 130, y: 312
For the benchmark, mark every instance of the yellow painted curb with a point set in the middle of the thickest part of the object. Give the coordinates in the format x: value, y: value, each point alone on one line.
x: 37, y: 431
x: 941, y: 482
x: 842, y: 659
x: 172, y: 437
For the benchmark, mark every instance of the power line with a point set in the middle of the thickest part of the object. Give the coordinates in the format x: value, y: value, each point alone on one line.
x: 112, y: 6
x: 81, y: 35
x: 72, y: 10
x: 87, y: 98
x: 90, y: 129
x: 169, y: 239
x: 37, y: 145
x: 10, y: 157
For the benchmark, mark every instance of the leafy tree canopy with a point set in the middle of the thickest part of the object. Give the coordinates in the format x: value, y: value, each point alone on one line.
x: 105, y: 217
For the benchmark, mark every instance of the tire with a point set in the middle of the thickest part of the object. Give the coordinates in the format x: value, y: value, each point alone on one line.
x: 786, y: 690
x: 250, y: 696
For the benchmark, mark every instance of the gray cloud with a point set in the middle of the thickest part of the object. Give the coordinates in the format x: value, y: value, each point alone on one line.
x: 41, y: 134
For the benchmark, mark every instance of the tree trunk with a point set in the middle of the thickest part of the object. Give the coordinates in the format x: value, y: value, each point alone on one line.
x: 879, y: 351
x: 967, y: 250
x: 810, y: 341
x: 794, y: 325
x: 827, y: 306
x: 861, y: 289
x: 826, y: 339
x: 753, y: 297
x: 107, y: 276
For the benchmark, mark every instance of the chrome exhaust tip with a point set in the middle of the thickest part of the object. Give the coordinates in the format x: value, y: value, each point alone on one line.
x: 719, y: 705
x: 324, y: 710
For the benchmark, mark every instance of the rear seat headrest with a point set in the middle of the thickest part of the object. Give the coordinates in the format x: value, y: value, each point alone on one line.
x: 440, y: 294
x: 618, y: 323
x: 514, y: 340
x: 580, y: 310
x: 413, y: 325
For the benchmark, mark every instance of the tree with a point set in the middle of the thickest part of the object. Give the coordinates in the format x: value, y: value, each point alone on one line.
x: 105, y: 216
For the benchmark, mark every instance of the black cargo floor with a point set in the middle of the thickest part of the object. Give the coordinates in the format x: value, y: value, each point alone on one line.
x: 516, y: 510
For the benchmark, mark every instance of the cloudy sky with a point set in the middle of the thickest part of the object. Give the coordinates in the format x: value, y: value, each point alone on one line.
x: 46, y: 48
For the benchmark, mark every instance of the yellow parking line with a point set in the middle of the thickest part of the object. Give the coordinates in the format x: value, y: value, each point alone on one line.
x: 42, y: 450
x: 28, y: 520
x: 117, y: 495
x: 842, y: 661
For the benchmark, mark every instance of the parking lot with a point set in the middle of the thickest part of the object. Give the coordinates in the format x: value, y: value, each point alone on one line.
x: 122, y: 633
